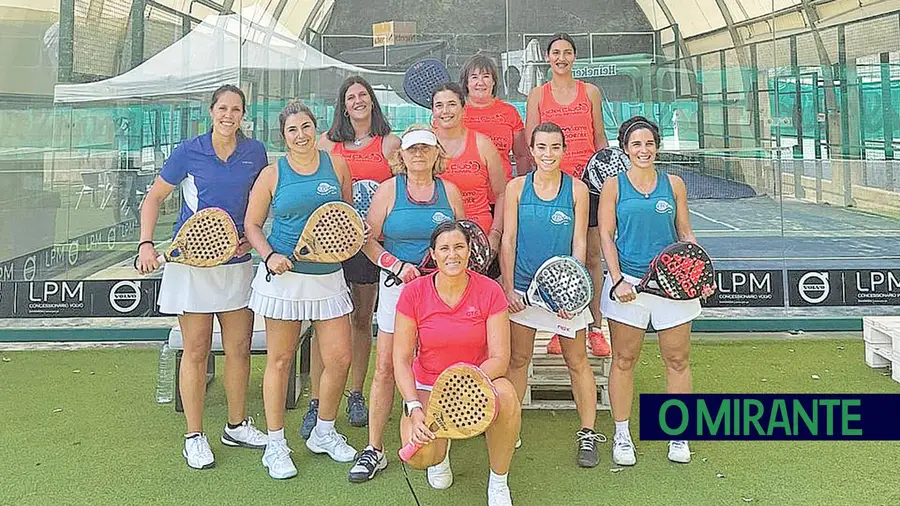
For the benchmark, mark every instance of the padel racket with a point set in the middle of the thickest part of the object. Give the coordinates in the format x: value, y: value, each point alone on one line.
x: 680, y: 272
x: 480, y: 255
x: 333, y: 233
x: 363, y: 191
x: 604, y: 164
x: 206, y: 239
x: 421, y: 79
x: 562, y: 282
x: 462, y: 404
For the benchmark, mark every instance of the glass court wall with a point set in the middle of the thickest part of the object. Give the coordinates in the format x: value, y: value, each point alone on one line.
x: 781, y: 116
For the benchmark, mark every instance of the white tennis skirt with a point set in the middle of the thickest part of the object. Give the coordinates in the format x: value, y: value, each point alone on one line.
x: 539, y: 318
x: 300, y: 297
x: 186, y: 289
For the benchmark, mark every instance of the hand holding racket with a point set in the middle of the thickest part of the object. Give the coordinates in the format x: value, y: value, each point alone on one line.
x: 681, y: 271
x: 462, y: 405
x: 561, y: 285
x: 207, y: 239
x: 421, y: 79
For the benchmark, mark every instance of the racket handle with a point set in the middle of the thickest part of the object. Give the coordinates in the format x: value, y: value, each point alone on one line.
x: 161, y: 259
x: 408, y: 451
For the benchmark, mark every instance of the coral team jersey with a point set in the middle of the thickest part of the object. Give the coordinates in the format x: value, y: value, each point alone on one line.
x: 366, y: 163
x: 577, y: 123
x: 499, y: 121
x: 470, y: 175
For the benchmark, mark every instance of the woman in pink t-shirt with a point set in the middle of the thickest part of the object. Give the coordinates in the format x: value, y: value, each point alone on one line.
x: 454, y: 315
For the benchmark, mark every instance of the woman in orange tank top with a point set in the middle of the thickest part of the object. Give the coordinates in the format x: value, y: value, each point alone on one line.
x: 475, y: 167
x: 487, y: 114
x: 577, y: 107
x: 361, y: 135
x: 572, y: 104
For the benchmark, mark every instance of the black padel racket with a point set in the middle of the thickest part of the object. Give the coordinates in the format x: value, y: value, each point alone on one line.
x: 604, y: 164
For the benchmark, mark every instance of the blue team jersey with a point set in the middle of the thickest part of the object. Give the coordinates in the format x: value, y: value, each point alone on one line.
x: 207, y: 181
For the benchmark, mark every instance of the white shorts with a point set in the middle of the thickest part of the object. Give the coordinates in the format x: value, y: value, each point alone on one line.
x: 299, y: 297
x: 387, y: 304
x: 186, y: 289
x: 540, y: 319
x: 647, y: 308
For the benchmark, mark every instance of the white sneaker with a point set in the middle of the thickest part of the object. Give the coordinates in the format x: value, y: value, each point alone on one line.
x: 623, y: 450
x: 277, y: 460
x: 246, y: 435
x: 332, y: 443
x: 679, y: 452
x: 440, y: 476
x: 498, y: 495
x: 197, y: 452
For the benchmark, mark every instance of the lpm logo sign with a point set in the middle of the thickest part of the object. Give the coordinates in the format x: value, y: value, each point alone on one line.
x: 870, y: 287
x: 748, y: 288
x: 815, y: 288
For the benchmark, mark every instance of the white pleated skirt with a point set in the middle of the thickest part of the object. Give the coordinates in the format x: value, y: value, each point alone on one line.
x: 186, y: 289
x: 300, y: 297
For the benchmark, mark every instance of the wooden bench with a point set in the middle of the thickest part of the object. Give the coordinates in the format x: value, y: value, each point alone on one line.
x: 882, y: 340
x: 549, y: 385
x: 257, y: 347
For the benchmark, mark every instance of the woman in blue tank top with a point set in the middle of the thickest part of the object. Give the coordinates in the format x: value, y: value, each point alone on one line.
x: 546, y: 215
x: 405, y: 210
x: 642, y: 211
x: 288, y: 292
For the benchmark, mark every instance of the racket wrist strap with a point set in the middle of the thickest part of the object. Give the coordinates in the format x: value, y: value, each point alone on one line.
x: 612, y: 290
x: 142, y: 243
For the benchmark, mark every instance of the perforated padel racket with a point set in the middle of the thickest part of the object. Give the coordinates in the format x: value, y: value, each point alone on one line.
x: 363, y: 191
x: 421, y: 79
x: 680, y: 272
x: 561, y: 282
x: 480, y: 254
x: 206, y: 239
x: 333, y: 233
x: 604, y: 164
x: 462, y: 405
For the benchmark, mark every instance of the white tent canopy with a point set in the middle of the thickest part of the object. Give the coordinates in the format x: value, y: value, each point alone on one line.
x: 212, y: 54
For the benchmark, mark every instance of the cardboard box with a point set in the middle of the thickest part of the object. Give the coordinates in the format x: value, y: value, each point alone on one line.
x: 389, y: 33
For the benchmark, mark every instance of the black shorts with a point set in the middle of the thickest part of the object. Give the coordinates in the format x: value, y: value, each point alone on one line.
x: 493, y: 271
x: 593, y: 203
x: 360, y: 270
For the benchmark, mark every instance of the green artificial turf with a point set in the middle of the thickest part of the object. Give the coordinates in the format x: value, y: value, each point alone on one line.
x: 110, y: 443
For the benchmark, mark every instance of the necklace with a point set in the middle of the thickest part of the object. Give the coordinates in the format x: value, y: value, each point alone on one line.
x: 643, y: 191
x: 359, y: 140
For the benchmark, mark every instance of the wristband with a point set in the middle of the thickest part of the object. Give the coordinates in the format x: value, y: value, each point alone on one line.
x: 143, y: 243
x: 269, y: 272
x: 387, y: 261
x: 612, y: 290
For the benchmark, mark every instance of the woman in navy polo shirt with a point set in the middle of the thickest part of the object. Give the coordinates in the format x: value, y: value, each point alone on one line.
x: 216, y: 169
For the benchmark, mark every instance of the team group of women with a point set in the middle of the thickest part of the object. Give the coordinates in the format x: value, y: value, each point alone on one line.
x: 458, y: 167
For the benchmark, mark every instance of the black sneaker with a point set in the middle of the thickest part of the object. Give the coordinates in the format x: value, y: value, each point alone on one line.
x: 357, y: 412
x: 588, y: 454
x: 368, y: 462
x: 309, y: 419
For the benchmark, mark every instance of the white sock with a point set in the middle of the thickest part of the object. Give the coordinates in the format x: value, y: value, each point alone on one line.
x: 622, y: 429
x: 497, y: 480
x: 324, y: 426
x: 376, y: 450
x: 446, y: 462
x: 189, y: 435
x: 276, y: 435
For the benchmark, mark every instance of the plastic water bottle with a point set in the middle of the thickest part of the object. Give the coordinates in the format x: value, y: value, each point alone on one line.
x: 165, y: 377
